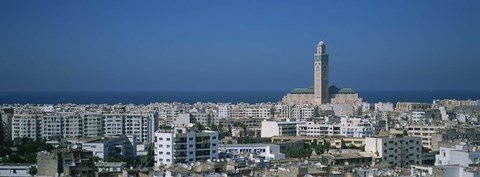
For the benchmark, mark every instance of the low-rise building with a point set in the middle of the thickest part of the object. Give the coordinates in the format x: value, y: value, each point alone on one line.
x: 112, y: 147
x: 15, y: 169
x: 462, y: 154
x: 281, y: 128
x: 269, y: 151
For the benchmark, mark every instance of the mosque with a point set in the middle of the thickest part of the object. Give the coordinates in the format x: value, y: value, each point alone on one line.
x: 321, y: 92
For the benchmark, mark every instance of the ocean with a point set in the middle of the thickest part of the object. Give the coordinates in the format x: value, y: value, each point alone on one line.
x: 213, y: 96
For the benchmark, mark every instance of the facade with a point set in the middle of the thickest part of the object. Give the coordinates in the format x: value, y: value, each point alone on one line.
x: 185, y: 145
x: 425, y: 132
x: 470, y: 135
x: 93, y: 125
x: 344, y: 96
x: 52, y: 126
x: 383, y: 107
x: 73, y: 125
x: 112, y: 147
x: 418, y: 116
x: 281, y: 128
x: 396, y: 151
x: 114, y: 124
x: 26, y: 126
x: 462, y: 154
x: 269, y: 151
x: 412, y: 106
x: 356, y: 127
x: 317, y: 129
x: 77, y: 125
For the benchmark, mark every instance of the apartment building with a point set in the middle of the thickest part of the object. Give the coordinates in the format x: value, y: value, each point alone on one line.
x: 73, y: 125
x: 185, y: 145
x: 356, y: 127
x: 26, y: 126
x: 280, y: 128
x: 52, y: 125
x: 318, y: 129
x: 269, y: 151
x: 424, y: 132
x: 397, y: 151
x: 92, y: 124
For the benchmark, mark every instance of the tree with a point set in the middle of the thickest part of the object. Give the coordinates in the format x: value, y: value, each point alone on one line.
x: 316, y: 112
x: 31, y: 157
x: 272, y: 112
x: 32, y: 170
x: 2, y: 131
x: 199, y: 126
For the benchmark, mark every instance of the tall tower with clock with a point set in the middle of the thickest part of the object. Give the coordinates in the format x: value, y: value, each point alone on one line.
x: 321, y: 75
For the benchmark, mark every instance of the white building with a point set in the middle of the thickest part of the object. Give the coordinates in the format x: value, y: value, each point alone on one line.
x: 281, y: 128
x: 185, y: 145
x: 317, y: 129
x: 383, y: 107
x: 114, y: 124
x: 356, y: 127
x: 92, y: 124
x: 15, y: 170
x: 269, y: 151
x: 51, y: 126
x: 26, y: 126
x: 223, y: 112
x: 397, y: 151
x: 183, y: 120
x: 418, y: 116
x: 73, y: 125
x: 462, y: 154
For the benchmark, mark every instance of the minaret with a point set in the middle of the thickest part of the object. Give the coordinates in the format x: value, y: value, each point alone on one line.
x: 321, y: 75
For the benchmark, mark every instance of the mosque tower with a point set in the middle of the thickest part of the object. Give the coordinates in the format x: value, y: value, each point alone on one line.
x: 321, y: 75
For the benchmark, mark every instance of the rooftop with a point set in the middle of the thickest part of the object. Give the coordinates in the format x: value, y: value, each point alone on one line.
x: 308, y: 90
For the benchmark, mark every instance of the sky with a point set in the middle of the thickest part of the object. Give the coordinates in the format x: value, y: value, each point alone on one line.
x: 263, y: 45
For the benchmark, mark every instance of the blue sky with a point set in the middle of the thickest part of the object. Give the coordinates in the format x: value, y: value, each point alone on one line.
x: 237, y: 45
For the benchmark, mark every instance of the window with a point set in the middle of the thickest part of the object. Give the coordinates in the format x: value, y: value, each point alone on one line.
x: 168, y: 160
x: 190, y: 152
x: 168, y: 153
x: 168, y: 146
x: 168, y: 139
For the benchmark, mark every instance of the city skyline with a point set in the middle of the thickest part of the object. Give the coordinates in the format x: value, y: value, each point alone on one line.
x: 219, y: 46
